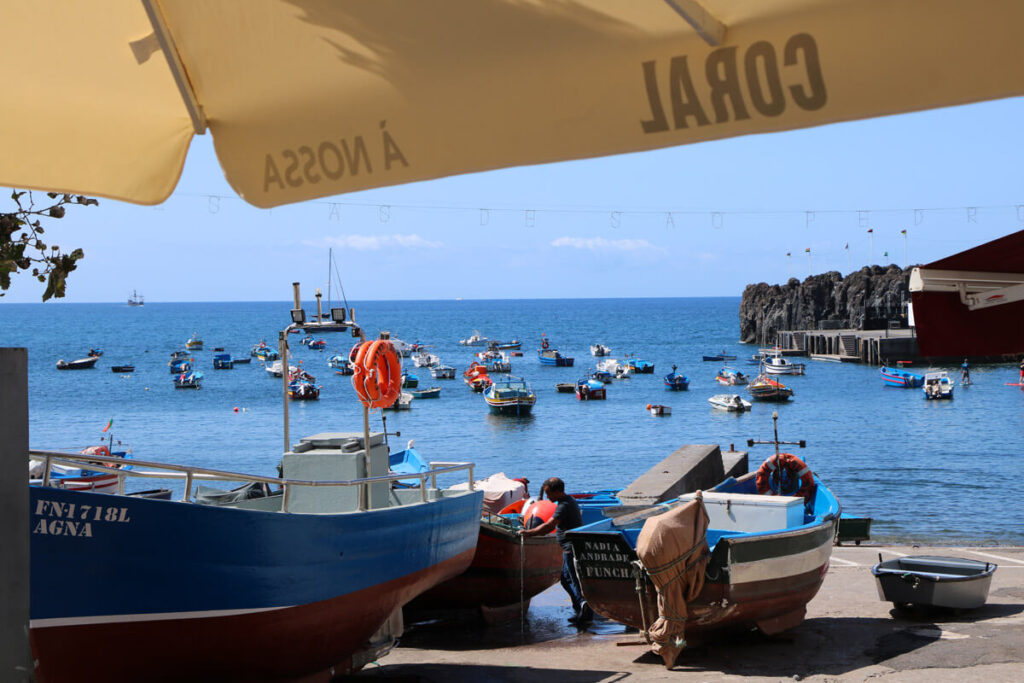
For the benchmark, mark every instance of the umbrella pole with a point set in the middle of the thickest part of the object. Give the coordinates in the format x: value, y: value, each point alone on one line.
x: 282, y: 349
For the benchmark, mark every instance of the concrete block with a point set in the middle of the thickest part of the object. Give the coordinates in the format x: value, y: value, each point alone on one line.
x: 687, y: 469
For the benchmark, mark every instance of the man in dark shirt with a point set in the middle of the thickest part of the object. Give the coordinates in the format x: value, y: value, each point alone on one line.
x: 567, y: 516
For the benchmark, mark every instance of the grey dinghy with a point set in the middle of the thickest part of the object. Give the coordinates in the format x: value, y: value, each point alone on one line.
x: 932, y: 581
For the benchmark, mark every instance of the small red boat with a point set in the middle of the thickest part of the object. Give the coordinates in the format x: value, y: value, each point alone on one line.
x: 505, y: 570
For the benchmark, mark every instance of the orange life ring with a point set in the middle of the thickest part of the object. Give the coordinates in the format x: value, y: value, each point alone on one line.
x: 792, y: 464
x: 543, y: 509
x: 544, y: 344
x: 512, y: 508
x: 378, y: 373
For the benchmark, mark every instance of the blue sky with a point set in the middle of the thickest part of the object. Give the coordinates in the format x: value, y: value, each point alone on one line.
x: 698, y: 220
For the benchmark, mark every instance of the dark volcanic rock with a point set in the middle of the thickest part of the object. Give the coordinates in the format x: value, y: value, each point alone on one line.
x: 867, y: 299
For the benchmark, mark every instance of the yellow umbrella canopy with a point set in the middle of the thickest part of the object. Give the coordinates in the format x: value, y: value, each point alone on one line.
x: 308, y: 98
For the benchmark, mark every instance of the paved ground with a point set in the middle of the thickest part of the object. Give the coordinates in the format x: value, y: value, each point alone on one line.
x: 849, y: 635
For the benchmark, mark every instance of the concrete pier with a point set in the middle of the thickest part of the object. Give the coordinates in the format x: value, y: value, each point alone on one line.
x: 849, y: 635
x: 874, y: 347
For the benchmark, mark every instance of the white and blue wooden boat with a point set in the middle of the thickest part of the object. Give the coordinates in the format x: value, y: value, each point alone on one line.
x: 510, y: 396
x: 731, y: 377
x: 223, y: 361
x: 303, y: 390
x: 898, y: 377
x: 264, y: 352
x: 764, y: 388
x: 591, y: 390
x: 723, y: 356
x: 410, y: 381
x: 553, y: 358
x: 442, y: 372
x: 287, y: 585
x: 189, y: 379
x: 180, y: 365
x: 341, y: 364
x: 933, y: 581
x: 639, y: 366
x: 766, y: 557
x: 602, y: 376
x: 675, y: 381
x: 432, y: 392
x: 937, y: 385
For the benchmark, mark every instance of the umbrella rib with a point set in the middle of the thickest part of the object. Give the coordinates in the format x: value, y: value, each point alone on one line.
x: 696, y: 15
x: 167, y: 46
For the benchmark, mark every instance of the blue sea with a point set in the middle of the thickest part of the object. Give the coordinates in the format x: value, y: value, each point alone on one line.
x: 925, y: 471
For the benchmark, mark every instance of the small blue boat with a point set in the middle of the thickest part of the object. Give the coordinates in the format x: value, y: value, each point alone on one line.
x: 432, y: 392
x: 640, y: 367
x: 676, y: 382
x: 222, y: 361
x: 188, y: 380
x: 264, y: 352
x: 180, y: 365
x: 410, y: 381
x: 554, y: 358
x: 601, y: 376
x: 898, y: 377
x: 591, y: 390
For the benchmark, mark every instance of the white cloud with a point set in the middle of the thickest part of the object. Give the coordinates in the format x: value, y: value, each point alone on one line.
x: 602, y: 244
x: 376, y: 242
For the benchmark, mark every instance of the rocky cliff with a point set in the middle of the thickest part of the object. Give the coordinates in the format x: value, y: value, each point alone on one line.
x: 867, y: 299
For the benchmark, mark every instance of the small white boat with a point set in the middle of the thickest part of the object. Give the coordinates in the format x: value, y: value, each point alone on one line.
x: 403, y: 402
x: 425, y: 359
x: 474, y: 340
x: 779, y: 365
x: 615, y: 368
x: 659, y: 411
x: 442, y: 372
x: 275, y: 369
x: 600, y: 350
x: 733, y: 403
x: 937, y: 385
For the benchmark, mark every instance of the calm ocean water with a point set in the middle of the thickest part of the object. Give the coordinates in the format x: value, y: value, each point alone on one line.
x: 930, y: 471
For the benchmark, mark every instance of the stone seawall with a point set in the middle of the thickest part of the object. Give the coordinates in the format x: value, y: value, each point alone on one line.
x: 867, y: 299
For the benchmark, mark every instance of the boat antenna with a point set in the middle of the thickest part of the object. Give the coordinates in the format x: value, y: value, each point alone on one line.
x: 384, y: 425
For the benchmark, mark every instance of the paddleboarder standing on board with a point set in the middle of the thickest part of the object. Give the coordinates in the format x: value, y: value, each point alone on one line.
x: 1022, y: 371
x: 567, y: 516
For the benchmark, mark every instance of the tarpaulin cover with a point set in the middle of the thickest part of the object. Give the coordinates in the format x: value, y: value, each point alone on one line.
x: 499, y: 491
x: 945, y: 326
x: 673, y: 549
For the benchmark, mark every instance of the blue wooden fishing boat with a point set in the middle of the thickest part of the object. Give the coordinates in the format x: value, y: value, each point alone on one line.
x: 325, y: 568
x: 591, y: 390
x: 898, y: 377
x: 723, y: 356
x: 751, y: 552
x: 554, y: 358
x: 510, y: 396
x: 639, y: 366
x: 676, y: 382
x: 731, y: 377
x: 264, y: 352
x: 442, y: 372
x: 188, y: 379
x: 303, y: 390
x: 223, y: 361
x: 410, y: 381
x: 602, y: 376
x: 194, y: 343
x: 180, y: 365
x: 432, y: 392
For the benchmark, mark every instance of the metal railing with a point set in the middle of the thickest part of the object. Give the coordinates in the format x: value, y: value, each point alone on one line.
x: 114, y: 465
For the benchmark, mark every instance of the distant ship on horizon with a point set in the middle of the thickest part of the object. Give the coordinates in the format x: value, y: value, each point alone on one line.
x: 136, y: 299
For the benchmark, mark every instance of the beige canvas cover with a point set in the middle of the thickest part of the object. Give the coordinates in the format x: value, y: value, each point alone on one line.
x: 673, y: 549
x: 310, y: 98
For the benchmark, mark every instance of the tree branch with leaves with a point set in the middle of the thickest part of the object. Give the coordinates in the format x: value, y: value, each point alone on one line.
x: 22, y: 246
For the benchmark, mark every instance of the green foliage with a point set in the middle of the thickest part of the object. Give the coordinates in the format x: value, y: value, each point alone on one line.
x: 22, y: 246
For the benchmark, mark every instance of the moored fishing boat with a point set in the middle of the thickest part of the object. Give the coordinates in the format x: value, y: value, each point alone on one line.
x: 721, y: 356
x: 898, y: 377
x: 189, y: 379
x: 639, y: 366
x: 432, y: 392
x: 476, y: 377
x: 730, y: 557
x: 731, y: 377
x: 566, y: 387
x: 474, y: 340
x: 180, y: 365
x: 303, y: 390
x: 600, y: 350
x: 510, y: 396
x: 303, y: 606
x: 341, y: 364
x: 122, y: 368
x: 601, y: 376
x: 732, y: 403
x: 675, y: 381
x: 264, y: 352
x: 937, y: 385
x: 80, y: 364
x: 194, y: 343
x: 410, y: 381
x: 591, y: 390
x: 505, y: 346
x: 223, y: 361
x: 764, y: 388
x: 777, y: 364
x: 553, y: 358
x: 442, y: 372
